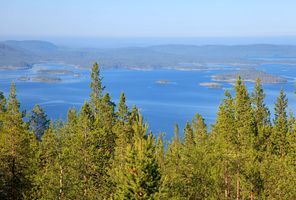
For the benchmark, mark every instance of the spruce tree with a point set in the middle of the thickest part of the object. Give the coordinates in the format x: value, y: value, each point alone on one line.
x: 262, y: 117
x: 280, y: 129
x: 97, y: 88
x: 261, y: 141
x: 38, y: 121
x: 122, y: 108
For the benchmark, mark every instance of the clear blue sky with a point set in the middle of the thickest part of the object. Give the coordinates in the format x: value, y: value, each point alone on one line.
x: 147, y: 18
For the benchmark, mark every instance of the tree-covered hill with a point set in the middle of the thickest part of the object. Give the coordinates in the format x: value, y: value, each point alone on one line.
x: 26, y: 53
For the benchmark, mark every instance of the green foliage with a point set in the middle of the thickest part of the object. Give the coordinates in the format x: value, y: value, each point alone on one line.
x: 16, y: 152
x: 101, y: 152
x: 280, y: 130
x: 97, y: 88
x: 38, y: 121
x: 139, y: 176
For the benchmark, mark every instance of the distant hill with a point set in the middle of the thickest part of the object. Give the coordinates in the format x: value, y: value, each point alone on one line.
x: 25, y: 53
x: 11, y: 57
x: 33, y: 46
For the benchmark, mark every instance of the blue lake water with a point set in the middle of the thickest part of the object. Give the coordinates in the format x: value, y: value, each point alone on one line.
x: 162, y: 105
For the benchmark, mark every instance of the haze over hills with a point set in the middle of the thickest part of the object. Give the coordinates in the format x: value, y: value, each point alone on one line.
x: 23, y: 54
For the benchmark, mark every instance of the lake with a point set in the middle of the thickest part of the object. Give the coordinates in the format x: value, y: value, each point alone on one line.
x: 162, y: 104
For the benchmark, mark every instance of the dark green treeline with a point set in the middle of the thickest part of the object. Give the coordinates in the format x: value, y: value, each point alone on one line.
x: 103, y: 151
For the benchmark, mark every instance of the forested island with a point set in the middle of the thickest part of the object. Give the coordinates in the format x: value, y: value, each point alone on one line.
x: 163, y: 82
x: 211, y: 85
x: 42, y: 79
x: 48, y: 75
x: 249, y: 76
x: 104, y: 151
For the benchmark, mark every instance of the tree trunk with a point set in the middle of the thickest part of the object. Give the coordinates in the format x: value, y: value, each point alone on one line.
x: 61, y: 193
x: 226, y: 182
x: 14, y: 181
x: 85, y: 164
x: 252, y: 195
x: 237, y: 187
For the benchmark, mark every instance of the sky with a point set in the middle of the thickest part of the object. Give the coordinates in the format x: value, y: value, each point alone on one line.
x: 147, y: 18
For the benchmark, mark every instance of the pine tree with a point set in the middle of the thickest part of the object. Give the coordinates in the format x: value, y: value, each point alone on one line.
x: 88, y: 166
x: 160, y: 154
x: 199, y: 128
x: 48, y: 180
x: 139, y: 177
x: 278, y: 167
x: 189, y: 139
x: 2, y: 108
x: 123, y: 126
x: 280, y: 129
x: 244, y: 141
x: 123, y: 112
x: 245, y: 122
x: 174, y: 167
x: 16, y: 152
x: 104, y: 120
x: 97, y: 89
x: 224, y: 134
x: 38, y: 121
x: 2, y: 102
x: 262, y: 117
x: 261, y: 141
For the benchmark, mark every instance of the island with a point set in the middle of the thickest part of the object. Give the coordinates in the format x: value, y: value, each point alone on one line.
x: 23, y: 78
x: 55, y: 71
x: 46, y: 79
x: 77, y: 75
x: 163, y: 82
x: 211, y: 85
x: 249, y: 76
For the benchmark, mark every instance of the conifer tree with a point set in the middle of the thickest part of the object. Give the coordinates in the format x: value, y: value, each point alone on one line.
x: 38, y: 121
x: 2, y: 102
x: 280, y: 129
x: 2, y: 107
x: 104, y: 120
x: 262, y: 117
x: 160, y: 154
x: 16, y: 152
x: 244, y: 141
x: 48, y: 183
x: 86, y: 155
x: 97, y: 88
x: 139, y: 177
x: 199, y: 128
x: 261, y: 141
x: 224, y: 134
x: 123, y: 112
x: 123, y: 126
x: 174, y: 167
x: 189, y: 139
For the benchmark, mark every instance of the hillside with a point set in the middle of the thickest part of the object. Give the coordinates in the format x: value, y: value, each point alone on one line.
x: 25, y: 53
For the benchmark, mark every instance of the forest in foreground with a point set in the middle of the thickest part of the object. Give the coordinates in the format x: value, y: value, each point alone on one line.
x: 104, y: 151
